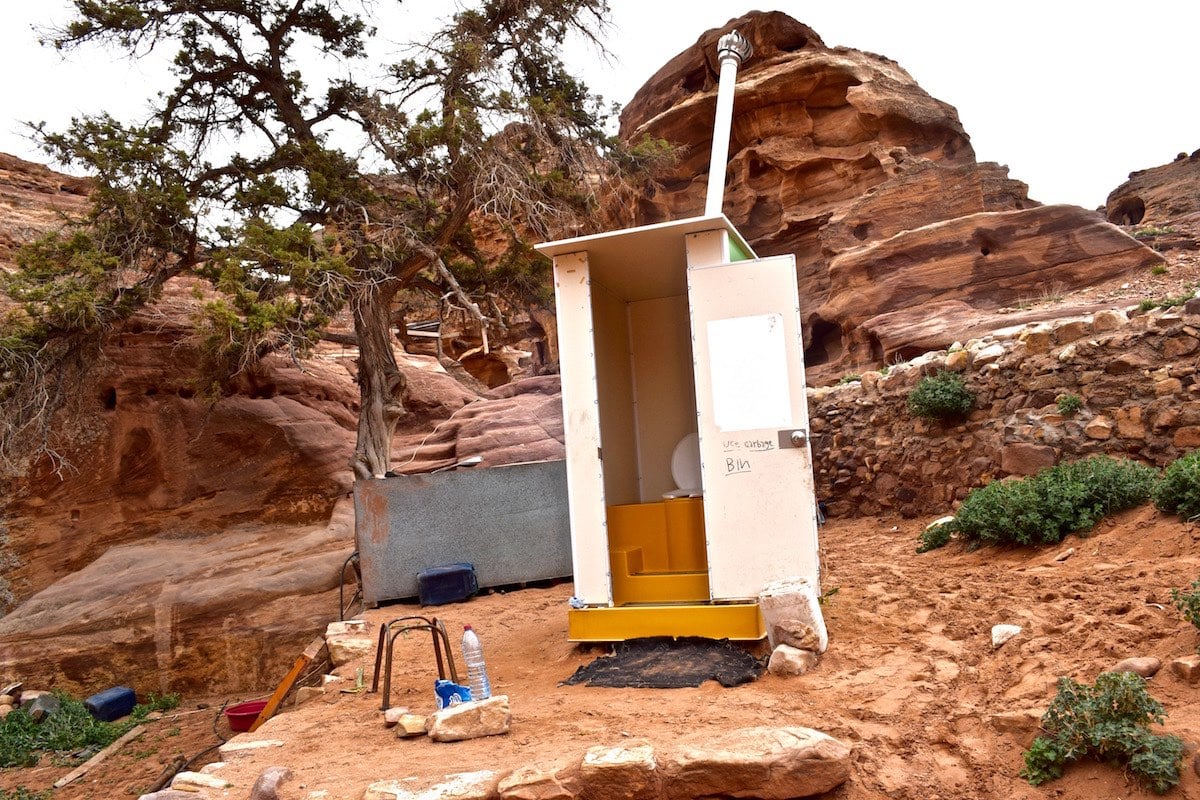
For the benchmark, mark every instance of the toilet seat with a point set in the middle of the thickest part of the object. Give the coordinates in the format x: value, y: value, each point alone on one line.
x: 685, y: 468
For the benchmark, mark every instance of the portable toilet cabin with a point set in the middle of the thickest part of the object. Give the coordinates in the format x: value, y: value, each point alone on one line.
x: 689, y: 474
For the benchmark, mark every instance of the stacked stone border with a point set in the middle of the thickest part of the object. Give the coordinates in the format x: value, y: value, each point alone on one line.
x: 1136, y: 374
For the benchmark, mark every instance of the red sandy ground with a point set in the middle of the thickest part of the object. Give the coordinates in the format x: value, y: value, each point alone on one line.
x: 910, y: 680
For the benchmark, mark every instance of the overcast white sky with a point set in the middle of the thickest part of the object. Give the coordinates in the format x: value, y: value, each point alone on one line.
x: 1071, y: 95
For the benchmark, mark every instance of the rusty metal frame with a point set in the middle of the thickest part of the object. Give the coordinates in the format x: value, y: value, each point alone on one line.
x: 387, y: 636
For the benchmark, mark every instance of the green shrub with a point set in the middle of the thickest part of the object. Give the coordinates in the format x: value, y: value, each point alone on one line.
x: 1110, y: 721
x: 1188, y: 602
x: 1179, y: 489
x: 1044, y: 508
x: 1069, y: 404
x: 23, y: 793
x: 70, y: 728
x: 944, y: 396
x: 935, y: 536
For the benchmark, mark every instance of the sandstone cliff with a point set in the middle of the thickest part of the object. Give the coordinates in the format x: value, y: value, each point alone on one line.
x: 840, y: 158
x: 1162, y: 203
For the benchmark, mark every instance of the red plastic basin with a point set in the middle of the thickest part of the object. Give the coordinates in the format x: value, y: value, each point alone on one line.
x: 242, y: 715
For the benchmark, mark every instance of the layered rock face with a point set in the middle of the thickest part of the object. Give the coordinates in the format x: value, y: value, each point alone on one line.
x: 33, y: 200
x: 1161, y: 203
x: 838, y: 157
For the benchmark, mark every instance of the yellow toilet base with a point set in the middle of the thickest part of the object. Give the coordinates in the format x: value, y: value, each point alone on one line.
x: 738, y: 621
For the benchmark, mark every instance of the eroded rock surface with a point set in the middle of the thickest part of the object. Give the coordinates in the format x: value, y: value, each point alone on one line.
x: 1161, y: 204
x: 835, y: 153
x: 33, y: 201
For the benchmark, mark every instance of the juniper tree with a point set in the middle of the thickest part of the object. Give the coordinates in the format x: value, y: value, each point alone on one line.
x: 299, y: 195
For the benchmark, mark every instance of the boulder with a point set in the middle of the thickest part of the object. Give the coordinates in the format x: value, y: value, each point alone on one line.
x: 625, y: 772
x: 787, y: 660
x: 536, y: 782
x: 270, y: 784
x: 1146, y: 666
x: 1026, y: 458
x: 1187, y: 668
x: 471, y: 720
x: 767, y: 763
x: 242, y: 746
x: 198, y: 782
x: 1002, y: 633
x: 408, y: 725
x: 479, y: 785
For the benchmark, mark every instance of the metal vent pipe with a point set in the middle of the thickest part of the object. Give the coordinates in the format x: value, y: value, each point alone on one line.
x: 732, y: 50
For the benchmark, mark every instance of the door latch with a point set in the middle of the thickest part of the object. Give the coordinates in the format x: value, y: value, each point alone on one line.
x: 793, y: 438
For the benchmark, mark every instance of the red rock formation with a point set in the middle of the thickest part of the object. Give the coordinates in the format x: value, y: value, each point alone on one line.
x: 980, y: 262
x: 835, y: 151
x: 195, y: 543
x: 34, y: 200
x: 1162, y: 203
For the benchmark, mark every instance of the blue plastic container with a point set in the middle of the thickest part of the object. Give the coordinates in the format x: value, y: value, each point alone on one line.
x: 446, y: 584
x: 450, y: 694
x: 111, y: 704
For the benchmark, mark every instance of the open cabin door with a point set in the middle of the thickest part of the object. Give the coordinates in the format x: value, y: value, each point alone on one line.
x: 760, y: 509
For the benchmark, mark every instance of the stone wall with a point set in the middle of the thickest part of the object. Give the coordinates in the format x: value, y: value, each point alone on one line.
x: 1135, y: 372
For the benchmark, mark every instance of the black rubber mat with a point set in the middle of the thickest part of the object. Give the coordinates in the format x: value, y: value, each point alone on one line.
x: 665, y: 662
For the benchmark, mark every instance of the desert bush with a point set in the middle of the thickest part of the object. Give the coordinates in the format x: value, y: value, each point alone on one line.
x: 1069, y: 404
x: 1179, y: 489
x: 943, y: 396
x: 1188, y: 602
x: 70, y: 728
x: 1042, y: 509
x: 24, y: 793
x: 1110, y: 721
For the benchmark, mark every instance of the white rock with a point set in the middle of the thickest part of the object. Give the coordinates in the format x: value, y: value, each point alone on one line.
x: 347, y: 648
x: 411, y: 725
x: 946, y: 520
x: 628, y: 771
x: 986, y: 355
x: 1067, y: 353
x: 459, y: 786
x: 471, y: 720
x: 393, y: 715
x: 1002, y: 633
x: 237, y: 747
x: 198, y: 782
x: 788, y: 660
x: 358, y: 627
x: 791, y: 609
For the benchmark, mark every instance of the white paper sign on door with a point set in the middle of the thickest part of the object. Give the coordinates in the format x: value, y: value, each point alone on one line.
x: 750, y: 386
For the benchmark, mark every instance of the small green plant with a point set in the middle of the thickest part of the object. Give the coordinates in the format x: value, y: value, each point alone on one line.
x: 1042, y: 509
x: 935, y: 536
x: 852, y: 377
x: 1179, y: 490
x: 943, y: 396
x: 1110, y: 721
x: 1188, y: 602
x: 70, y: 728
x: 1166, y: 302
x: 1069, y: 404
x: 885, y: 369
x: 827, y: 597
x: 1158, y: 269
x: 1151, y: 231
x: 23, y: 793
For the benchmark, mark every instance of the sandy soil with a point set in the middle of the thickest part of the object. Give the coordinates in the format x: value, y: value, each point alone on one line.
x: 910, y: 680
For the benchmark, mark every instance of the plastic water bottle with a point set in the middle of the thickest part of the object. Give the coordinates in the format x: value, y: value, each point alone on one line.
x: 477, y: 677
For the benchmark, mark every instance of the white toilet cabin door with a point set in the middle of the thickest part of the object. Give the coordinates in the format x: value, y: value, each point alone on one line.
x: 759, y: 506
